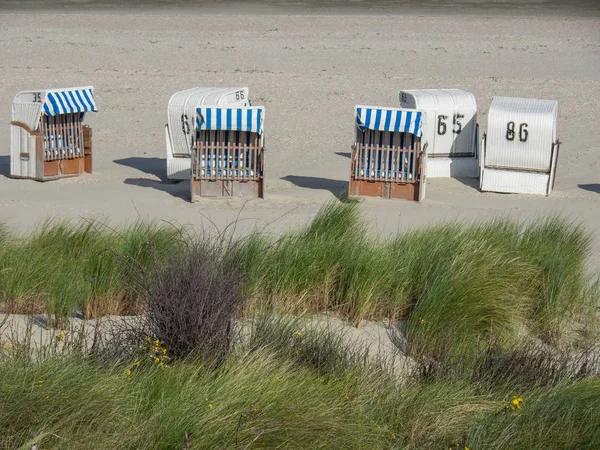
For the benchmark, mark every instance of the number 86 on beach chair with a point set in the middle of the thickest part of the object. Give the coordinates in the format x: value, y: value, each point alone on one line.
x: 228, y: 152
x: 388, y: 159
x: 47, y: 138
x: 520, y: 148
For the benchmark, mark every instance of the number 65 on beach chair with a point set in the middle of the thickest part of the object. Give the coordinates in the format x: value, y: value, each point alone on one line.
x: 47, y: 137
x: 387, y: 157
x: 181, y: 116
x: 451, y: 130
x: 228, y: 152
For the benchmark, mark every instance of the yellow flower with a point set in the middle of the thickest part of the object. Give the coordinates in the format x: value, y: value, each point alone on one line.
x: 128, y: 372
x: 157, y: 343
x: 62, y: 336
x: 392, y: 435
x: 137, y: 364
x: 157, y: 359
x: 516, y: 403
x: 299, y: 334
x: 298, y: 350
x: 210, y: 406
x: 164, y: 351
x: 423, y: 321
x: 162, y: 364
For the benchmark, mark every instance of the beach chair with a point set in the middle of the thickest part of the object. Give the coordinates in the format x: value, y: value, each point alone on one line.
x: 451, y: 130
x: 181, y: 114
x: 48, y: 139
x: 387, y: 158
x: 227, y: 156
x: 519, y: 152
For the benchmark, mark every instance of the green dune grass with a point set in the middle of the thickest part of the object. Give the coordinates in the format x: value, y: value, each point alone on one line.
x: 459, y: 284
x: 261, y: 400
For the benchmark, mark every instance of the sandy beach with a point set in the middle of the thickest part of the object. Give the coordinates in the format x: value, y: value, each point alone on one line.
x: 309, y: 68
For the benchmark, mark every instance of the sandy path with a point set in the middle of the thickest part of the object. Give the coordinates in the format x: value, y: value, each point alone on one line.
x: 309, y: 72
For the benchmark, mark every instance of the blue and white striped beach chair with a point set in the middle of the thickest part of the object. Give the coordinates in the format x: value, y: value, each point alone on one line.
x: 181, y: 114
x: 228, y: 153
x: 387, y: 159
x: 48, y: 138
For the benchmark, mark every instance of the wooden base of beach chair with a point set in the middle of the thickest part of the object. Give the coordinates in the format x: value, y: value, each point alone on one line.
x: 384, y: 189
x: 61, y: 146
x: 403, y: 159
x: 64, y: 168
x: 87, y: 149
x: 226, y: 188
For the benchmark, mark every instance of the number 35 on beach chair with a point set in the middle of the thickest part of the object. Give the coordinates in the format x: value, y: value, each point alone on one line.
x: 227, y: 155
x: 388, y: 159
x: 47, y: 138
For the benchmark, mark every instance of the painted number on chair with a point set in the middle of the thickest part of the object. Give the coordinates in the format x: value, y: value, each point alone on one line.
x: 510, y: 131
x: 239, y: 95
x: 456, y: 122
x: 185, y: 124
x: 37, y: 97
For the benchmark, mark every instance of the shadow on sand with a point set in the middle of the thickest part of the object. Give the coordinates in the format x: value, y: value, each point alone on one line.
x: 151, y: 166
x: 469, y: 182
x: 336, y: 187
x: 180, y: 189
x: 5, y: 165
x: 158, y: 168
x: 594, y: 187
x: 344, y: 154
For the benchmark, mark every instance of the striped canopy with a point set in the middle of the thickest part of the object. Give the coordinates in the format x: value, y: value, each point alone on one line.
x: 389, y: 119
x: 77, y: 100
x: 234, y: 119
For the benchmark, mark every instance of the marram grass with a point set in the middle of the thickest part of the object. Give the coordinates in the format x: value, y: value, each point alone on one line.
x: 62, y: 267
x: 468, y: 282
x: 260, y: 400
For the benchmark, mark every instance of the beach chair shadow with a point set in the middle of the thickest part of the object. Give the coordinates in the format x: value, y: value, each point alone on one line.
x: 473, y: 183
x: 594, y: 187
x: 5, y: 165
x: 344, y: 154
x: 176, y: 189
x: 336, y: 187
x: 150, y: 166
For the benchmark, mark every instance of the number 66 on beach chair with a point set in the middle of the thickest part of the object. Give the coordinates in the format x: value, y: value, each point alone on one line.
x: 47, y: 137
x: 228, y: 152
x: 387, y: 157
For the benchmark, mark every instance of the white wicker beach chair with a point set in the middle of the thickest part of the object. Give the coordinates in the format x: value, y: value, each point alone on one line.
x: 228, y: 154
x: 451, y: 130
x: 181, y: 114
x: 520, y: 149
x: 47, y: 137
x: 387, y: 158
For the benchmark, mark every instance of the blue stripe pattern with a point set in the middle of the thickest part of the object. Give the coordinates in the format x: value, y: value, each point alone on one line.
x: 394, y: 119
x: 234, y: 119
x: 69, y: 101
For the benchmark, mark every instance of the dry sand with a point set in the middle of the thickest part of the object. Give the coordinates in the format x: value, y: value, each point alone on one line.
x: 309, y: 70
x: 380, y: 341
